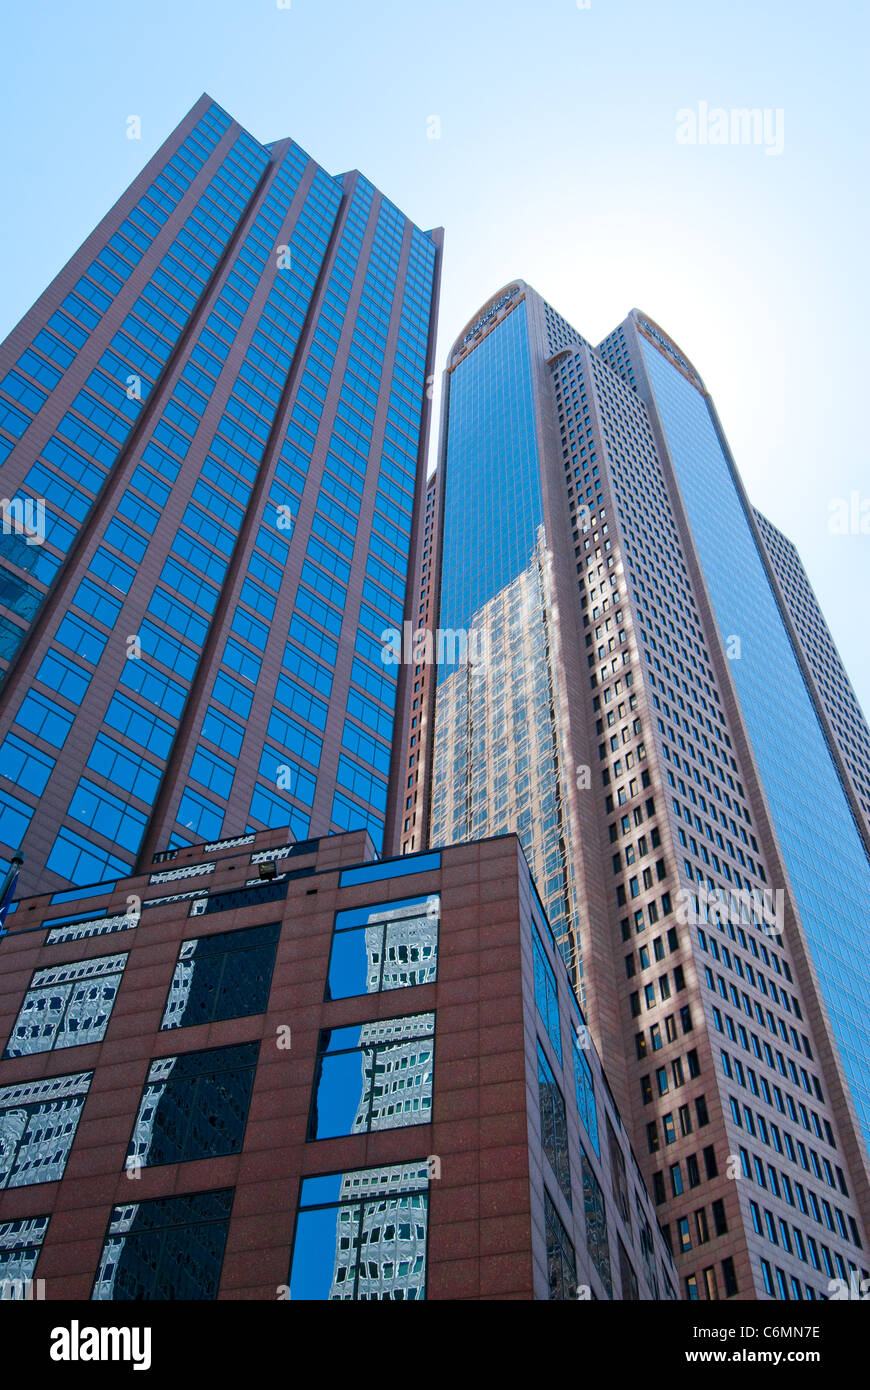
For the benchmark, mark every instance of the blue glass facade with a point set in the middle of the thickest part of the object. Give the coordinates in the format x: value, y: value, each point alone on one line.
x: 499, y: 763
x: 823, y: 852
x: 492, y: 498
x: 195, y: 599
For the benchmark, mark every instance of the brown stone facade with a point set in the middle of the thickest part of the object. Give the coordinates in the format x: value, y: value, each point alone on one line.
x: 492, y: 1191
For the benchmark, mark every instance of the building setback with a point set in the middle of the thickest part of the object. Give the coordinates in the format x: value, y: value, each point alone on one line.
x: 267, y: 1070
x: 640, y: 720
x: 213, y: 428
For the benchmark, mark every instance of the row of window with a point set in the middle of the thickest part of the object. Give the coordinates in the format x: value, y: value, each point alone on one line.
x: 360, y: 1234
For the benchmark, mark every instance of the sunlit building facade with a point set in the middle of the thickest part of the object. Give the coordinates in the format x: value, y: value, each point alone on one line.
x: 212, y: 434
x: 715, y: 925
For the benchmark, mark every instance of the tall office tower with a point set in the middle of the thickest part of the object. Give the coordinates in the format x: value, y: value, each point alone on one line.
x: 640, y: 719
x: 212, y: 429
x: 837, y: 705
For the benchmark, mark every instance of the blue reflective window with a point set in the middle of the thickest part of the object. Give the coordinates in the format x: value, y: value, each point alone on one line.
x: 349, y: 815
x: 554, y: 1124
x: 390, y: 868
x: 546, y: 995
x: 101, y: 810
x: 293, y: 737
x: 362, y: 783
x: 15, y: 817
x: 94, y: 600
x: 195, y: 812
x: 78, y: 859
x: 43, y: 718
x: 213, y: 772
x: 271, y: 809
x: 348, y: 1217
x: 125, y: 768
x: 64, y: 676
x: 585, y: 1089
x: 140, y: 725
x: 240, y: 659
x: 373, y: 1076
x: 154, y: 686
x: 226, y: 733
x: 80, y: 638
x: 25, y: 765
x: 236, y: 697
x: 383, y: 947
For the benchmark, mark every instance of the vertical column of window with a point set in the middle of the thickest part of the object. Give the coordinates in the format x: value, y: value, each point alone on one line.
x: 288, y: 760
x: 171, y: 633
x: 239, y: 446
x: 361, y: 760
x: 306, y: 677
x: 219, y: 497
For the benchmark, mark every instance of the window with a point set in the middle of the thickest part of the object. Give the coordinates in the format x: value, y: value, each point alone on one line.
x: 554, y: 1128
x: 627, y: 1276
x: 701, y: 1229
x: 194, y: 1105
x: 45, y: 718
x: 561, y: 1261
x: 596, y: 1225
x: 546, y: 997
x: 227, y: 975
x: 390, y: 868
x: 100, y: 809
x: 81, y: 862
x: 39, y: 1120
x: 168, y: 1248
x: 584, y: 1090
x: 67, y: 1005
x: 387, y: 946
x: 20, y: 1244
x: 361, y: 1235
x: 373, y: 1076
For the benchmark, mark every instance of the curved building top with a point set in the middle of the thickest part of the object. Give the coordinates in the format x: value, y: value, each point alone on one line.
x: 651, y: 330
x: 486, y: 318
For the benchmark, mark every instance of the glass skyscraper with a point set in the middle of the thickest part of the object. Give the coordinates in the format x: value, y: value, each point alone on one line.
x: 212, y: 432
x: 642, y: 719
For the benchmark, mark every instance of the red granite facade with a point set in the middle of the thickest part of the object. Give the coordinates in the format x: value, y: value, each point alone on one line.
x: 491, y: 1189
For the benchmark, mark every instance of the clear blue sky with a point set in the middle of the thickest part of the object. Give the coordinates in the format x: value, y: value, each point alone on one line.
x: 557, y: 162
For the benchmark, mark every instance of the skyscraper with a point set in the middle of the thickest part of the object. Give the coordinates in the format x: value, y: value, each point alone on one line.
x: 642, y: 721
x: 212, y: 431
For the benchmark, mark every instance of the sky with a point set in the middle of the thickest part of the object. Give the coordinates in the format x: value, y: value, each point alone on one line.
x: 543, y: 136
